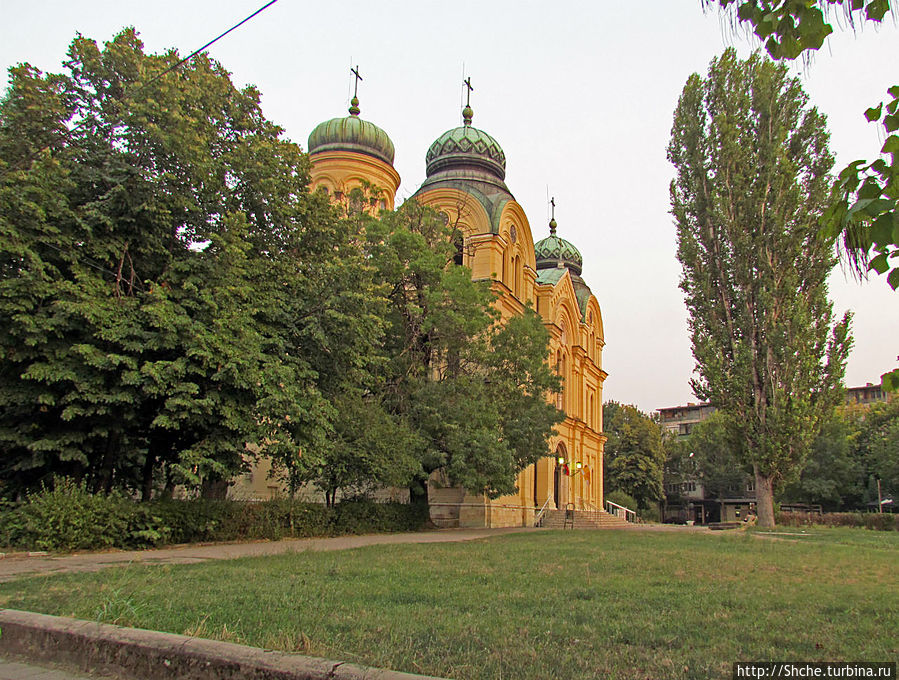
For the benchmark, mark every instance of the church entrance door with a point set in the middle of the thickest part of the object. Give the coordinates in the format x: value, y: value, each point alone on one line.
x: 557, y: 486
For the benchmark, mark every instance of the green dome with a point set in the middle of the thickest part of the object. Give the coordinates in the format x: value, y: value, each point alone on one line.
x: 466, y: 147
x: 554, y: 252
x: 352, y: 134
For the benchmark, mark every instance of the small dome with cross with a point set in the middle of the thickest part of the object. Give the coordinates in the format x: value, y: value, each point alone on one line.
x: 352, y: 134
x: 554, y: 252
x: 465, y: 149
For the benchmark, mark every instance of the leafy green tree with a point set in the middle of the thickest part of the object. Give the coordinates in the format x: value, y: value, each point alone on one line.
x: 751, y: 181
x: 864, y: 204
x: 712, y: 456
x: 834, y: 475
x: 169, y: 290
x: 634, y: 455
x: 369, y: 449
x: 474, y: 391
x: 789, y: 28
x: 877, y: 448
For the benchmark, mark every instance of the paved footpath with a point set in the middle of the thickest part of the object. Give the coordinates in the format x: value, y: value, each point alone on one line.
x: 22, y: 564
x: 14, y: 670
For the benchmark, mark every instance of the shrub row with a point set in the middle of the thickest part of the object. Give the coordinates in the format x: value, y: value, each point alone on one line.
x: 868, y: 520
x: 68, y: 518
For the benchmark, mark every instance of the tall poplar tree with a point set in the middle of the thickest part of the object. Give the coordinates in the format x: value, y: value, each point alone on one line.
x: 752, y: 179
x: 864, y: 204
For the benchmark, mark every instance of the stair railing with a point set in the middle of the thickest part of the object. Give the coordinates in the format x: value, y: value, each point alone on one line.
x: 621, y: 511
x: 538, y: 520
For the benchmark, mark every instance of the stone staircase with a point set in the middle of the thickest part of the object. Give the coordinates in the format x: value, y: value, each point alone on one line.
x: 584, y: 519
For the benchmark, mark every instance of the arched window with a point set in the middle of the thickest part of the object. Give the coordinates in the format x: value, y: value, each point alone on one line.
x: 357, y: 201
x: 563, y: 372
x: 459, y: 243
x: 558, y: 367
x: 516, y: 275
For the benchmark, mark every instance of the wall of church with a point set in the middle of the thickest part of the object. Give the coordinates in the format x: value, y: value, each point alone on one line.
x: 501, y: 249
x: 340, y: 172
x: 507, y: 258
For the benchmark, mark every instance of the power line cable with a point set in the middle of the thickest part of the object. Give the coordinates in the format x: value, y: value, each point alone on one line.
x: 211, y: 42
x: 171, y: 68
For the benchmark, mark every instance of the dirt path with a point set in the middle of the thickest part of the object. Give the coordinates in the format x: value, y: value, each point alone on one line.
x: 19, y: 565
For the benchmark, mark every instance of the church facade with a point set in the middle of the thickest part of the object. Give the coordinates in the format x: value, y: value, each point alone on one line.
x: 465, y: 170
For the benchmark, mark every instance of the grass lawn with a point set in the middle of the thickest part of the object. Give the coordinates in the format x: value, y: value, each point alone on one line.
x: 544, y: 605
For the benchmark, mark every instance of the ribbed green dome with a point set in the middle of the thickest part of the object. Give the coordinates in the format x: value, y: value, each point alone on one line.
x: 554, y: 251
x: 466, y: 146
x: 352, y: 134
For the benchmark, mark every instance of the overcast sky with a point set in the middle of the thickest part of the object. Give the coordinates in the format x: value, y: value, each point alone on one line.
x: 579, y: 94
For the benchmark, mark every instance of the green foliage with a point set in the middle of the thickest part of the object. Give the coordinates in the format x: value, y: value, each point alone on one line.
x: 712, y: 456
x: 169, y: 290
x: 69, y: 517
x: 866, y: 520
x: 634, y: 457
x: 448, y: 388
x: 790, y: 27
x: 621, y: 498
x: 364, y: 517
x: 370, y: 448
x: 877, y: 447
x: 833, y: 475
x: 863, y: 205
x: 468, y: 394
x: 856, y: 447
x: 864, y: 202
x: 752, y: 174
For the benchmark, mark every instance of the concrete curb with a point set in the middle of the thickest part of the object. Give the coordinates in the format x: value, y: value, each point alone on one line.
x: 149, y: 655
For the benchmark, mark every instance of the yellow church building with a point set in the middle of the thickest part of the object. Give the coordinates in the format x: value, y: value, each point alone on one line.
x: 465, y: 170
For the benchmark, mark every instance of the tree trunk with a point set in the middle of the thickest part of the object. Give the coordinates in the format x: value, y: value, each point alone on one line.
x: 214, y: 489
x: 146, y: 490
x: 418, y: 492
x: 111, y: 453
x: 764, y: 496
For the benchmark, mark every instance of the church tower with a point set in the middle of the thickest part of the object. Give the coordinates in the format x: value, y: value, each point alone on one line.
x: 466, y: 170
x: 352, y: 159
x: 571, y: 313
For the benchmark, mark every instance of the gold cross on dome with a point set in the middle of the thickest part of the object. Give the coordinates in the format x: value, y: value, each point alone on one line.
x: 355, y: 72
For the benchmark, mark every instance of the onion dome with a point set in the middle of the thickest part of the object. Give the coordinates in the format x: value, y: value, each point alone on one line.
x: 557, y: 252
x: 352, y: 134
x: 466, y: 149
